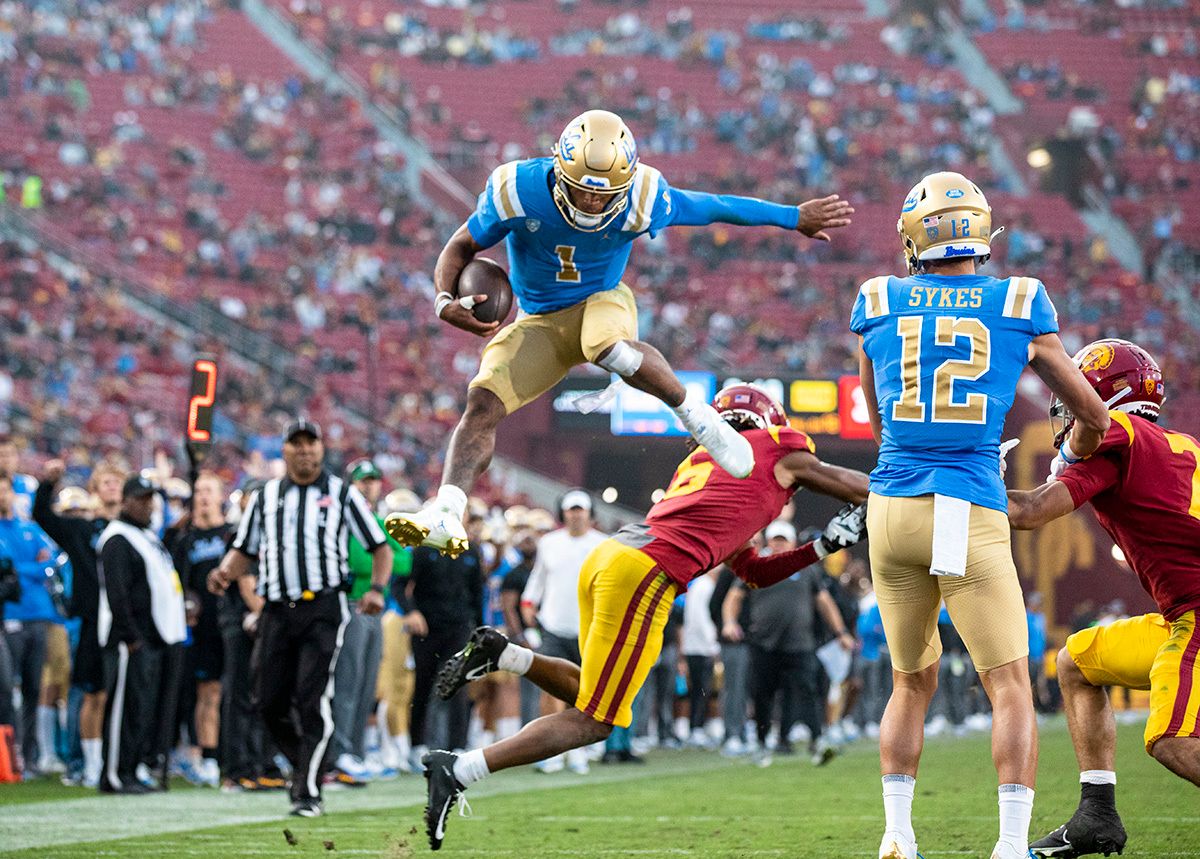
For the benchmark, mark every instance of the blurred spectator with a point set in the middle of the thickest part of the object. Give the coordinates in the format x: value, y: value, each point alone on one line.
x: 699, y: 649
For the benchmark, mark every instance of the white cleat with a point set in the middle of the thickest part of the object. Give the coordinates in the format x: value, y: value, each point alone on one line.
x: 896, y: 846
x: 1004, y: 850
x: 433, y: 526
x: 728, y: 447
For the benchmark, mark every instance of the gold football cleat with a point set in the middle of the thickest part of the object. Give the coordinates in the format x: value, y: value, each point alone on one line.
x: 433, y: 527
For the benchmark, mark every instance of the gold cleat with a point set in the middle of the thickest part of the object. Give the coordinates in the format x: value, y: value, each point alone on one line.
x: 433, y: 527
x: 401, y: 528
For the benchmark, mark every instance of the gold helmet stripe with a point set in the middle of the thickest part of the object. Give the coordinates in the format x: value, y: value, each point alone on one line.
x: 1018, y: 303
x: 504, y: 191
x: 645, y: 186
x: 875, y: 292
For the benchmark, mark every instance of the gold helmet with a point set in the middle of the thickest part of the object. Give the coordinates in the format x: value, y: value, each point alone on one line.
x: 74, y: 500
x: 945, y: 216
x: 595, y: 153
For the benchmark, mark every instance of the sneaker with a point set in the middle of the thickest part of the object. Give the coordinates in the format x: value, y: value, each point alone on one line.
x: 51, y: 764
x: 337, y: 778
x: 267, y: 782
x: 1090, y: 830
x: 1004, y: 850
x: 480, y: 656
x: 434, y: 526
x: 734, y: 747
x: 307, y: 808
x: 353, y: 767
x: 208, y: 773
x: 550, y: 766
x: 442, y: 790
x: 728, y: 447
x: 762, y: 758
x: 896, y: 846
x: 823, y: 753
x: 577, y: 762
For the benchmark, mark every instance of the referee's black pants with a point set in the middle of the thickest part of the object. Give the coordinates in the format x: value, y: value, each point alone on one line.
x: 293, y: 681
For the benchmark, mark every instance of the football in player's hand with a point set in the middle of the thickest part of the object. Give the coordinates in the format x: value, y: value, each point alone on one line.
x: 481, y: 276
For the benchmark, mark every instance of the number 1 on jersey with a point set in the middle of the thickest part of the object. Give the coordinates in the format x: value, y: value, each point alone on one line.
x: 567, y: 272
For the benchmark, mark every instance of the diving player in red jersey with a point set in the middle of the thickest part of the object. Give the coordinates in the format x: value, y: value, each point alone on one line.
x: 1144, y: 486
x: 629, y: 581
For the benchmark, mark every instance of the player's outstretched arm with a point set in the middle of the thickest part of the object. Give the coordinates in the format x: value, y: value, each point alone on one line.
x: 812, y: 217
x: 801, y: 468
x: 459, y: 250
x: 1029, y: 509
x: 846, y: 529
x: 1052, y: 363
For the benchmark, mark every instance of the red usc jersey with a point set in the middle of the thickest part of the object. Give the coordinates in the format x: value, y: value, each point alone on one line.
x: 706, y: 514
x: 1144, y: 484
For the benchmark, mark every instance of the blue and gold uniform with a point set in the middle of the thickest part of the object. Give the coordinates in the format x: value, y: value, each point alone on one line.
x: 946, y: 352
x: 567, y: 280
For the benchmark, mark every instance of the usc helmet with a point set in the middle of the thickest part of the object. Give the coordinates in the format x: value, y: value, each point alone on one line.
x: 596, y: 154
x: 945, y: 216
x: 749, y: 404
x: 1126, y: 377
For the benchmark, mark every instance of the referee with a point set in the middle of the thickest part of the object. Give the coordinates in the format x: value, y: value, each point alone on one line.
x: 297, y: 527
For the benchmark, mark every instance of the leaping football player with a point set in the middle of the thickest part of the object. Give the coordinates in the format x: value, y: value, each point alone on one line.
x: 629, y: 581
x: 1144, y: 486
x: 569, y: 222
x: 941, y: 352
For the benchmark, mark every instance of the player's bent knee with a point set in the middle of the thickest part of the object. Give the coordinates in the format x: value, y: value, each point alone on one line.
x: 1068, y: 672
x: 620, y: 358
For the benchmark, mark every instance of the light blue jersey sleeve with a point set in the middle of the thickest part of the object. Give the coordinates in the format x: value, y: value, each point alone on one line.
x: 498, y: 208
x: 654, y: 205
x: 1043, y: 316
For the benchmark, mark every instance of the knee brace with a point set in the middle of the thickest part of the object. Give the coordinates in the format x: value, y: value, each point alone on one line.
x: 622, y: 359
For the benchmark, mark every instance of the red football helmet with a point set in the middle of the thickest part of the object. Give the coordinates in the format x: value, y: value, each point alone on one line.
x: 1125, y: 376
x: 749, y: 403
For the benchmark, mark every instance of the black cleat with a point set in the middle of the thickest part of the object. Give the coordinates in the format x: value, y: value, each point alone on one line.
x: 479, y: 656
x: 443, y: 789
x: 1089, y: 831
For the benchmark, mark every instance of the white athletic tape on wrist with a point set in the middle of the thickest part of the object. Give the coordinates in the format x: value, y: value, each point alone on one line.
x: 440, y: 302
x: 622, y: 359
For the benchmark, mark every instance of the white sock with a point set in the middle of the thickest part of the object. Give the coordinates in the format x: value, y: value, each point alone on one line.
x: 403, y: 746
x: 453, y: 499
x: 515, y: 659
x: 897, y: 804
x: 692, y: 412
x: 93, y: 758
x: 371, y: 737
x: 1097, y: 777
x: 46, y: 719
x: 470, y: 768
x: 1016, y: 809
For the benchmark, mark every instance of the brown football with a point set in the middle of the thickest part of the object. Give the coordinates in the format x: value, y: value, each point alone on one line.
x: 484, y: 277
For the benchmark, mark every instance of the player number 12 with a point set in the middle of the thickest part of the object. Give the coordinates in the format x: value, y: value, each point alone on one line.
x: 973, y: 409
x: 567, y: 272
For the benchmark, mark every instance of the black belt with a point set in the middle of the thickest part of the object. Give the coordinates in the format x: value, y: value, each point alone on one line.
x: 305, y: 598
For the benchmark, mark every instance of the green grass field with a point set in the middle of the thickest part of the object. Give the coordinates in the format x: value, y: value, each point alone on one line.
x: 679, y: 804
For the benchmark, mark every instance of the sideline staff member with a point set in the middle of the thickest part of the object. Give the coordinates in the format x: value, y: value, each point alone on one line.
x: 298, y: 527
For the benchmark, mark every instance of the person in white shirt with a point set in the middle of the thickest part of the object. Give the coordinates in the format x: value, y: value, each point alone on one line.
x: 551, y: 599
x: 700, y: 649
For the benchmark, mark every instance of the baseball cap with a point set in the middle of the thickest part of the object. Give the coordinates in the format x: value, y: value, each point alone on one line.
x: 137, y: 486
x: 302, y: 425
x: 364, y: 469
x: 576, y: 498
x: 782, y: 528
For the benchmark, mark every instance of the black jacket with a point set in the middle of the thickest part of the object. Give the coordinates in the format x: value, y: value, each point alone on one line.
x: 447, y: 591
x: 76, y: 537
x: 128, y: 591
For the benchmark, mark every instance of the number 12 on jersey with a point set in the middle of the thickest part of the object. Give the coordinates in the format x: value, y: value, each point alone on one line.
x: 949, y: 330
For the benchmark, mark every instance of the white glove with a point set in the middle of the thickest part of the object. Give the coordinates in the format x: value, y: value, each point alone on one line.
x: 845, y: 529
x: 1063, y: 460
x: 1005, y: 447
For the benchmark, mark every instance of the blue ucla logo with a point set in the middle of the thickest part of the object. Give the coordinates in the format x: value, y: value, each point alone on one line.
x: 567, y: 144
x: 629, y: 149
x: 910, y: 203
x: 955, y: 193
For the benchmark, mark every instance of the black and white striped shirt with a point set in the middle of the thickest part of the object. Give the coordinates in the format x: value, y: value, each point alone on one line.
x: 299, y: 534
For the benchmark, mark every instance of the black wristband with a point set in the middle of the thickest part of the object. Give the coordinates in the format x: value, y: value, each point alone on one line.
x: 379, y: 589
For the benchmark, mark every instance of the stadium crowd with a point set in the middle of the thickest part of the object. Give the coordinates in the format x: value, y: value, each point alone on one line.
x: 740, y: 673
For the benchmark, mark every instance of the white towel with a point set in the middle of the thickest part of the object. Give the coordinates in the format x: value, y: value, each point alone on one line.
x: 951, y: 522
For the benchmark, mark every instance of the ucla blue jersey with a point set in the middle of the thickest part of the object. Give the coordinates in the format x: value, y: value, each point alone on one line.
x: 947, y: 352
x: 552, y: 265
